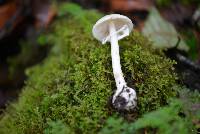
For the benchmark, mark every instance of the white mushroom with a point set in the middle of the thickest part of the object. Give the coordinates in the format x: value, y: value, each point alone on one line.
x: 112, y: 28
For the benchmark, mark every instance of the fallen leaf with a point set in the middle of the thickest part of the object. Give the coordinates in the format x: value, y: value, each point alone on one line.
x: 130, y: 5
x: 43, y: 12
x: 161, y: 32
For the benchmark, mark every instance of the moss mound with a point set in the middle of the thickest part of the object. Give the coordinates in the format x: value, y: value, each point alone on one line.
x: 181, y: 116
x: 73, y: 85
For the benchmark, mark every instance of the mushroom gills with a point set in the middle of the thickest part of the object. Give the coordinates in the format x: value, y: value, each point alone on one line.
x: 121, y: 33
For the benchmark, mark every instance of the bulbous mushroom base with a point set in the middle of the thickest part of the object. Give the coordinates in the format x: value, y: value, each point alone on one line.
x: 125, y: 100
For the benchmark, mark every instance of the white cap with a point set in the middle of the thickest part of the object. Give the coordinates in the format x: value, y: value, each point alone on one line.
x: 123, y: 26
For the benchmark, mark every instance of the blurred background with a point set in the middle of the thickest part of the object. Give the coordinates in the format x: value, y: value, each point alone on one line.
x: 173, y: 25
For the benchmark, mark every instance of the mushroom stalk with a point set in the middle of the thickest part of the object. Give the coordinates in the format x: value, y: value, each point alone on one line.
x: 124, y: 97
x: 118, y: 75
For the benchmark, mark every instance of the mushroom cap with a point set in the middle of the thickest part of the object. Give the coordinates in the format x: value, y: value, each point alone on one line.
x: 101, y: 28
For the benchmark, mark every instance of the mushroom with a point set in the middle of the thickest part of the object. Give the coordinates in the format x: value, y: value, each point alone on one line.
x: 112, y: 28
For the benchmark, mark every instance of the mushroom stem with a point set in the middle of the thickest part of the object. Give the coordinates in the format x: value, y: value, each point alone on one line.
x: 118, y: 75
x: 124, y: 97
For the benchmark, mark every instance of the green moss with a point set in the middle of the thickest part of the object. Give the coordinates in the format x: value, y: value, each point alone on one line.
x: 178, y: 117
x: 57, y: 127
x: 74, y: 83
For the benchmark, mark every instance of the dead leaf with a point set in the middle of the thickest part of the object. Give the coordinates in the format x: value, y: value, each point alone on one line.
x: 130, y: 5
x: 43, y: 12
x: 6, y: 12
x: 161, y: 32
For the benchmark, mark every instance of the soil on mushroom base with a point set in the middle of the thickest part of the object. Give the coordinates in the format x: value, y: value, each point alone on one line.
x: 74, y: 83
